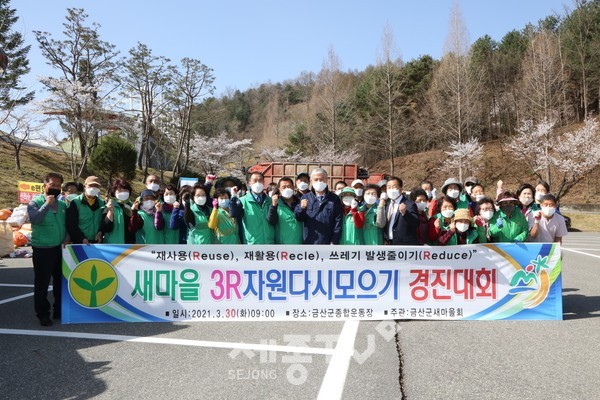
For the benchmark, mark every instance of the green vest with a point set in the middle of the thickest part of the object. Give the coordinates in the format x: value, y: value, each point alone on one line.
x: 257, y: 229
x: 52, y: 230
x: 148, y: 234
x: 472, y: 234
x: 288, y: 229
x: 89, y: 221
x: 200, y: 233
x: 171, y: 235
x: 462, y: 201
x: 350, y: 233
x: 372, y: 235
x: 117, y: 235
x: 227, y: 230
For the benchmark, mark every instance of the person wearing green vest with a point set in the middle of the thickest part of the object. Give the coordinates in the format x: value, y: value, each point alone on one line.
x: 196, y: 215
x: 224, y: 227
x: 117, y: 214
x: 48, y: 233
x: 452, y: 188
x: 169, y: 208
x: 510, y: 223
x: 374, y: 216
x: 353, y: 220
x: 253, y: 209
x: 460, y: 231
x: 147, y: 221
x: 84, y: 215
x: 288, y: 230
x: 440, y: 223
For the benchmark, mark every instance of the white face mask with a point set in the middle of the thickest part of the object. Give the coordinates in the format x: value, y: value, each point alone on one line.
x: 393, y: 193
x: 479, y: 197
x: 421, y: 206
x: 148, y: 205
x: 468, y: 189
x: 462, y: 227
x: 447, y: 213
x: 153, y: 186
x: 359, y: 192
x: 347, y: 200
x: 319, y: 186
x: 92, y: 191
x: 487, y: 215
x: 287, y: 193
x: 302, y: 185
x: 170, y: 199
x: 429, y: 194
x: 526, y: 200
x: 224, y: 203
x: 122, y: 196
x: 72, y: 196
x: 257, y: 187
x: 452, y: 193
x: 538, y: 196
x: 241, y: 193
x: 548, y: 211
x: 200, y: 200
x: 338, y: 192
x: 370, y: 199
x: 228, y: 190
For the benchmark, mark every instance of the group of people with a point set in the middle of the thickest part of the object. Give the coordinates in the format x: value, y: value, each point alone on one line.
x: 300, y: 210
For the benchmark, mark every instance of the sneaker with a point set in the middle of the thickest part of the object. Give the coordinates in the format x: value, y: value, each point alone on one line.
x: 45, y: 321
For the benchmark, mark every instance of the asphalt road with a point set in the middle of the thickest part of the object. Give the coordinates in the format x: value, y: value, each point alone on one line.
x: 281, y: 360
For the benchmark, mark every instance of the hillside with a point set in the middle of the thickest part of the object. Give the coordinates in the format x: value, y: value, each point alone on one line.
x: 497, y: 163
x: 35, y: 163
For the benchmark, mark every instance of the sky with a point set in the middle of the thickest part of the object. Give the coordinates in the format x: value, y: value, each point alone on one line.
x: 252, y: 42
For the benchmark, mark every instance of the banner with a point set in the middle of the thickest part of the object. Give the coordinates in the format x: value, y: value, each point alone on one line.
x: 28, y: 190
x: 166, y: 283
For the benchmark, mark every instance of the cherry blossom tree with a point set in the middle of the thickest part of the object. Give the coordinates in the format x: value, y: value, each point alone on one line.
x: 220, y: 154
x: 533, y: 144
x: 576, y: 154
x: 463, y: 156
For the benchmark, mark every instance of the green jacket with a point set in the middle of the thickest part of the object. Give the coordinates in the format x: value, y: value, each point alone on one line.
x: 372, y: 235
x: 513, y: 229
x: 89, y: 221
x: 257, y: 229
x: 350, y: 233
x: 200, y: 233
x: 52, y: 230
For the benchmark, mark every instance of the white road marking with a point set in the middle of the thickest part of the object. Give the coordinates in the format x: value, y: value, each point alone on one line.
x: 15, y: 285
x: 23, y: 296
x: 171, y: 341
x: 333, y: 383
x: 16, y: 298
x: 581, y: 252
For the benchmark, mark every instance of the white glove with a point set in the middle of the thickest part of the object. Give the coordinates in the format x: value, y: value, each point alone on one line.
x: 354, y: 204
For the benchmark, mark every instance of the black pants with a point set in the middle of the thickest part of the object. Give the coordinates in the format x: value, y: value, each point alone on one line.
x: 47, y: 263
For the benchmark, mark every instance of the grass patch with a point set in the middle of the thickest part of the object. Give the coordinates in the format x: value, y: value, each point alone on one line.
x: 35, y: 163
x: 584, y: 221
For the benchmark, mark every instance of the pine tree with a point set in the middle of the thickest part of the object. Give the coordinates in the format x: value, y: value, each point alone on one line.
x: 11, y: 92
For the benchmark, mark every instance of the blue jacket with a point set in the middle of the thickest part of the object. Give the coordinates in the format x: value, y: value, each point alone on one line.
x: 322, y: 220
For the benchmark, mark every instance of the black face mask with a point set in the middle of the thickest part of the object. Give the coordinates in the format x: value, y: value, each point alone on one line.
x: 508, y: 209
x: 53, y: 192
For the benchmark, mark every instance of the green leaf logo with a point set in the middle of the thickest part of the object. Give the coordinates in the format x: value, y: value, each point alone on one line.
x: 93, y: 283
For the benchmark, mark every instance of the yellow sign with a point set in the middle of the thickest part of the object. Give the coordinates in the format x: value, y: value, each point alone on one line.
x: 28, y: 190
x: 93, y: 283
